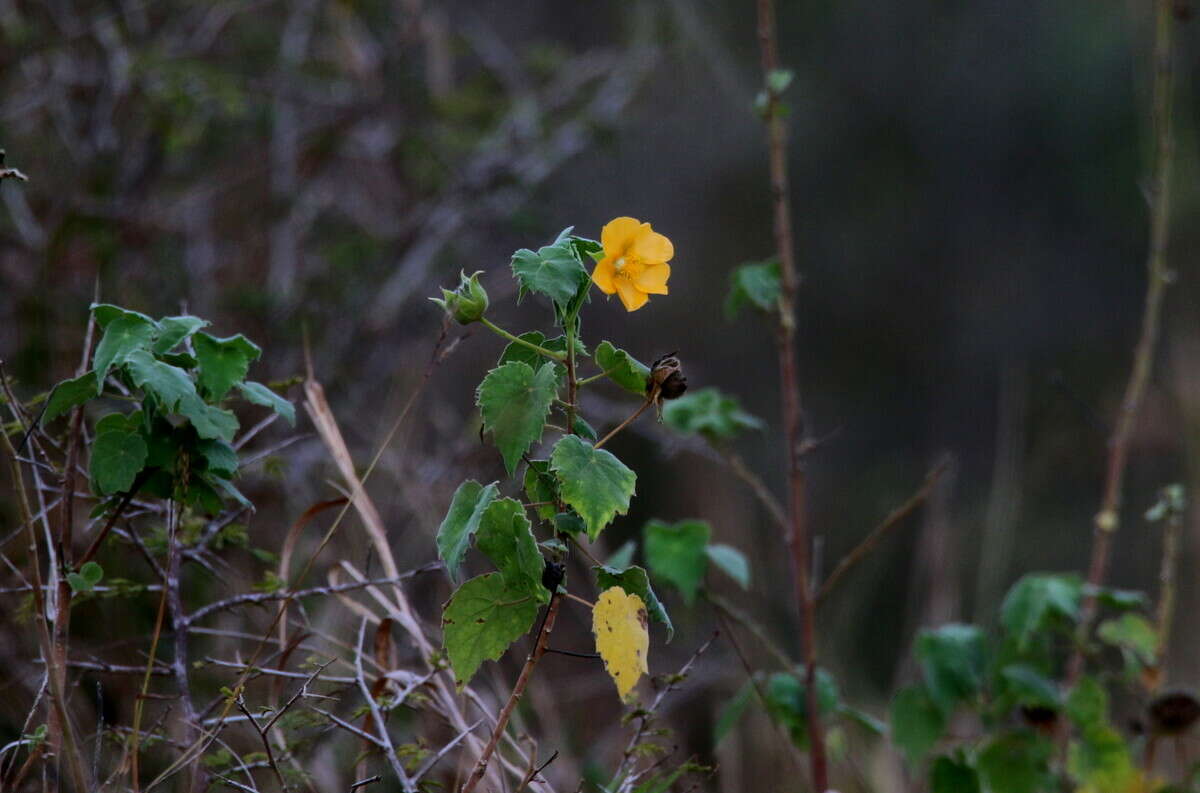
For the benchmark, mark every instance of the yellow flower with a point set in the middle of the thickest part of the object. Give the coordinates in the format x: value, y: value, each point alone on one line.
x: 635, y: 262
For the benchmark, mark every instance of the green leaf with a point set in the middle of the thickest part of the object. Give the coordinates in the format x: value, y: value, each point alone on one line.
x: 1118, y: 599
x: 709, y: 412
x: 174, y: 330
x: 1015, y: 762
x: 787, y: 700
x: 504, y: 536
x: 461, y: 521
x: 731, y: 561
x: 917, y: 722
x: 584, y: 430
x: 119, y: 422
x: 952, y: 660
x: 1035, y: 601
x: 230, y: 490
x: 1087, y: 703
x: 951, y: 775
x: 220, y: 457
x: 223, y: 362
x: 778, y: 80
x: 677, y: 553
x: 519, y: 352
x: 540, y: 486
x: 210, y: 421
x: 92, y: 572
x: 569, y: 523
x: 1131, y: 632
x: 731, y: 712
x: 70, y: 394
x: 117, y: 457
x: 635, y: 581
x: 753, y: 284
x: 105, y: 313
x: 170, y: 385
x: 622, y: 557
x: 515, y: 401
x: 622, y: 368
x: 484, y: 616
x: 1100, y: 760
x: 259, y: 394
x: 86, y: 579
x: 554, y: 271
x: 594, y: 482
x: 123, y: 336
x: 1028, y: 686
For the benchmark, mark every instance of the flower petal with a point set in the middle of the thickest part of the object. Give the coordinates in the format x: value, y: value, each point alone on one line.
x: 630, y: 295
x: 603, y: 274
x: 653, y: 279
x: 652, y: 247
x: 617, y: 235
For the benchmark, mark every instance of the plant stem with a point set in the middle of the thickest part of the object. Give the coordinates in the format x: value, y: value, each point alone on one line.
x: 1108, y: 519
x: 624, y: 423
x: 797, y: 533
x: 572, y: 386
x: 1165, y: 613
x: 499, y: 331
x: 539, y: 649
x: 596, y: 377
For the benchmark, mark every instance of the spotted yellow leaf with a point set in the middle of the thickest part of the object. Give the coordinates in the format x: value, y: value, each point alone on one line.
x: 622, y: 639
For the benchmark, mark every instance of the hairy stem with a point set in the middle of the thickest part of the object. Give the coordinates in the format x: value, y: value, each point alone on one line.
x: 572, y: 385
x: 499, y: 331
x: 797, y: 533
x: 1108, y: 519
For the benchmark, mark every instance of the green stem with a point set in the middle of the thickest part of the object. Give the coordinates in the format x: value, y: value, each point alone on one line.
x: 572, y: 383
x: 499, y: 331
x: 595, y: 377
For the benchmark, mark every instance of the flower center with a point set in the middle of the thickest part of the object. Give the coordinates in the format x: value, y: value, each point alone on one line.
x: 619, y: 264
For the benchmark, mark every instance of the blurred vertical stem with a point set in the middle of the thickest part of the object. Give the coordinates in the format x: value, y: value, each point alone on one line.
x: 797, y: 530
x: 1165, y: 613
x: 1159, y: 277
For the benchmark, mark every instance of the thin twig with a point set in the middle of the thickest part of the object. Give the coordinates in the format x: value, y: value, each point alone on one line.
x: 624, y: 423
x: 262, y: 734
x: 864, y: 548
x: 1165, y: 614
x: 1108, y: 519
x: 757, y: 486
x: 381, y: 727
x: 646, y: 716
x: 533, y: 774
x: 797, y: 534
x: 428, y: 765
x: 284, y: 594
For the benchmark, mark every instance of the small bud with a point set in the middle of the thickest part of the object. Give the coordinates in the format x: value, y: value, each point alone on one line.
x: 666, y: 378
x: 468, y: 303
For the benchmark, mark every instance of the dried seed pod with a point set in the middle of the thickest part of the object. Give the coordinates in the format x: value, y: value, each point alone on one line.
x: 666, y: 378
x: 1173, y: 712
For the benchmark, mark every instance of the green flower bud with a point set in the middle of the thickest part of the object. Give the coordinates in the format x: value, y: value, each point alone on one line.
x: 468, y: 302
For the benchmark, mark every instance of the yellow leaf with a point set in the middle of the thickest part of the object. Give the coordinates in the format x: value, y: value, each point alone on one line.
x: 619, y: 624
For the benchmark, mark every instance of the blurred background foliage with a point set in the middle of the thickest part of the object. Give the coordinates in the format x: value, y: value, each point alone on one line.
x: 968, y: 189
